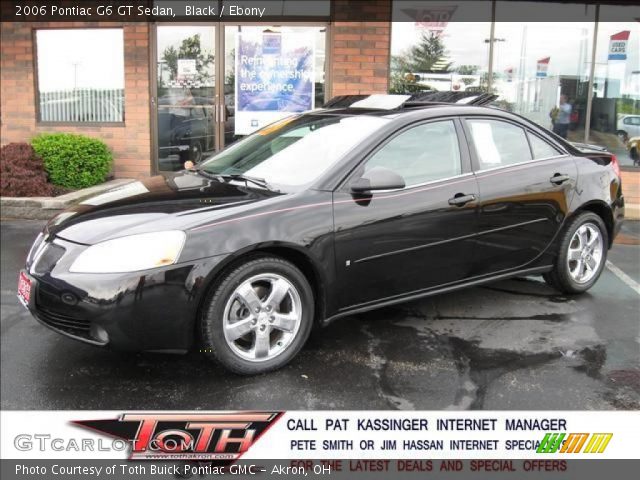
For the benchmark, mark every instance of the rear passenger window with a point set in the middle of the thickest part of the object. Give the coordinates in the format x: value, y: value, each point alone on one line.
x: 421, y: 154
x: 499, y: 143
x: 540, y: 148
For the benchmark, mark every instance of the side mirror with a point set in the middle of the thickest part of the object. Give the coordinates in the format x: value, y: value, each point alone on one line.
x: 378, y: 178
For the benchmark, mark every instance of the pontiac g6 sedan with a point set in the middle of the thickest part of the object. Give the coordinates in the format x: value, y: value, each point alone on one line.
x: 367, y: 203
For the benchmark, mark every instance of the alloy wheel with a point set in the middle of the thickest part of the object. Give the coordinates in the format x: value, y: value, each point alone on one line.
x: 262, y: 317
x: 585, y: 253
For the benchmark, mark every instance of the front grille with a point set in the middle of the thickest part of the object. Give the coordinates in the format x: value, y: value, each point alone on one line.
x: 71, y: 325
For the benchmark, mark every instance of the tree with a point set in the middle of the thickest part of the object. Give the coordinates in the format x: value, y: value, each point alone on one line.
x: 467, y: 70
x: 190, y: 48
x: 428, y: 54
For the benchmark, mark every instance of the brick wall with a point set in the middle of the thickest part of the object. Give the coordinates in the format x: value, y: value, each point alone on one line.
x: 360, y: 51
x: 130, y: 143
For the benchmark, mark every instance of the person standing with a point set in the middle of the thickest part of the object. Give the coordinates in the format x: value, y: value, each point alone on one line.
x: 562, y: 118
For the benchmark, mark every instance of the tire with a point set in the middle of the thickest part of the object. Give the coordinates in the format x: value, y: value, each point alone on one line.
x: 582, y: 255
x: 246, y: 328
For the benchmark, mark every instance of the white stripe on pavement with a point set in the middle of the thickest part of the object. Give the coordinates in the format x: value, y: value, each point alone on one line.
x: 630, y: 282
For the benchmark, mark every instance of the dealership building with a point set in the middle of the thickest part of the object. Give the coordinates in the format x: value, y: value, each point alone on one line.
x: 162, y: 92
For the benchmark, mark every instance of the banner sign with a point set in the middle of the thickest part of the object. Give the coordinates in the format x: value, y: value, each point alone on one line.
x: 274, y: 77
x: 543, y: 67
x: 373, y: 435
x: 618, y: 45
x: 434, y: 19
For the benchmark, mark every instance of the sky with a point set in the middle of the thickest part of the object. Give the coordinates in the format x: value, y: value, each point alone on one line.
x: 82, y: 58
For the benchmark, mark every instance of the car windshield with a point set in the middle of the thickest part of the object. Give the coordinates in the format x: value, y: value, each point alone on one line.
x: 294, y: 152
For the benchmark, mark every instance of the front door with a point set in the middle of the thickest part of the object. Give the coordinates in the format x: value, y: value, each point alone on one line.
x: 399, y: 242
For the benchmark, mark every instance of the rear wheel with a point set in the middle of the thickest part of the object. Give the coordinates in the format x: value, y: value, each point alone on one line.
x: 582, y: 255
x: 259, y: 317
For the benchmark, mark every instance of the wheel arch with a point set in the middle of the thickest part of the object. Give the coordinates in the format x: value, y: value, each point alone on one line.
x: 295, y: 254
x: 604, y: 211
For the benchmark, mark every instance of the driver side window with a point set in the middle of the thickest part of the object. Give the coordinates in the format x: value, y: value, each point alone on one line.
x: 421, y: 154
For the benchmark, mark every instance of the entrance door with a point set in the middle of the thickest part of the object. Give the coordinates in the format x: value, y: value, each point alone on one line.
x: 185, y: 99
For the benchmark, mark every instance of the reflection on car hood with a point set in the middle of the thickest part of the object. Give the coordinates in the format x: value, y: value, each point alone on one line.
x: 154, y: 204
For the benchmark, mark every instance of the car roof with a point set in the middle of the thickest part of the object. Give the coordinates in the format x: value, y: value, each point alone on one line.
x: 424, y: 106
x: 394, y: 106
x: 398, y: 101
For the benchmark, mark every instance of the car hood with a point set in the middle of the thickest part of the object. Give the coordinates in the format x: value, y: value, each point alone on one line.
x: 154, y: 204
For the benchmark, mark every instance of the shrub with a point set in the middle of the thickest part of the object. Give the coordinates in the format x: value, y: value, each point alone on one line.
x: 73, y: 161
x: 22, y: 173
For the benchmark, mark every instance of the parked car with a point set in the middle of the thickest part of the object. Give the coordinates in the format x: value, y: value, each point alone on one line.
x: 185, y: 131
x: 628, y: 126
x: 320, y: 216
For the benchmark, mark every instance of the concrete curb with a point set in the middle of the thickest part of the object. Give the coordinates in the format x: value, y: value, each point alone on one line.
x: 43, y: 208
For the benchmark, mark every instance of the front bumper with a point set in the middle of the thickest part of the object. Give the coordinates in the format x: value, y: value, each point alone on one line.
x: 153, y: 310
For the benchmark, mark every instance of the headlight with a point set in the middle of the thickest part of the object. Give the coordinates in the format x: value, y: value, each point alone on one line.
x: 130, y: 254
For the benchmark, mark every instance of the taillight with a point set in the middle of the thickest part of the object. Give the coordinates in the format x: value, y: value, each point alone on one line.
x: 615, y: 165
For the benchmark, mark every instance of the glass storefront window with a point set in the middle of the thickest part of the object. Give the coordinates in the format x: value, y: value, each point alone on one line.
x: 315, y: 36
x: 541, y: 69
x: 433, y: 47
x: 80, y: 75
x: 615, y: 116
x: 186, y: 93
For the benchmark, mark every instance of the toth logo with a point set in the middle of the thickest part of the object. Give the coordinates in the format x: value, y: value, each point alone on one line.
x: 574, y: 443
x: 187, y: 436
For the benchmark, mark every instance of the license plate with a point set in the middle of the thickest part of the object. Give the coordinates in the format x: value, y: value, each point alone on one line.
x: 24, y: 289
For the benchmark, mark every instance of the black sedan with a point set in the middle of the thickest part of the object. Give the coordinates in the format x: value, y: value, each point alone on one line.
x: 320, y: 216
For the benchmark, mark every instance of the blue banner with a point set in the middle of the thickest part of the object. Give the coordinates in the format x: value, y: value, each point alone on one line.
x: 274, y: 77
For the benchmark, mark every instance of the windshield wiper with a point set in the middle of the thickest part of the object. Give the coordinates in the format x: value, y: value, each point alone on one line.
x: 204, y: 173
x: 261, y: 182
x: 221, y: 177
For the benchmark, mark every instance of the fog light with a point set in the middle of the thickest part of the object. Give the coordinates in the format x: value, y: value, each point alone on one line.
x: 99, y: 333
x: 69, y: 298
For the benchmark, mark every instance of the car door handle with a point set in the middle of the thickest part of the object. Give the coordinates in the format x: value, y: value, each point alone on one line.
x: 559, y: 178
x: 460, y: 199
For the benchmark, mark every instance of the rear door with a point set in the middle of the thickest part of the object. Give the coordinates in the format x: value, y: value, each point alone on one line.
x: 393, y: 243
x: 525, y: 185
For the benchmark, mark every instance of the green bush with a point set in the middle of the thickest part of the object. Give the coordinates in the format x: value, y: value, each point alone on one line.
x: 73, y: 161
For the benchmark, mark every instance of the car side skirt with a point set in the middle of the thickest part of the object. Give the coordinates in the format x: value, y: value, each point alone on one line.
x: 385, y: 302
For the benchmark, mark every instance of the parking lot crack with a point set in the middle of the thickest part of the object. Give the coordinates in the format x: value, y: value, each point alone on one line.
x: 378, y: 364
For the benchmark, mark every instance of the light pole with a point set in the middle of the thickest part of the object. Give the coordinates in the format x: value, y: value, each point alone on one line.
x: 490, y: 42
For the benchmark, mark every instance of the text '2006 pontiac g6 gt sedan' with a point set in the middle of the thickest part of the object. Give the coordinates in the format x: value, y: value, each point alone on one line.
x: 365, y: 203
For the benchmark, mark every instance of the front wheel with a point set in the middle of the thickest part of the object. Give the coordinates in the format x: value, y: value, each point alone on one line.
x: 259, y: 316
x: 582, y: 255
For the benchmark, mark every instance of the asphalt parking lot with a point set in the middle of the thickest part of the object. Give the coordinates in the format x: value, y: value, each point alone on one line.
x: 515, y: 344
